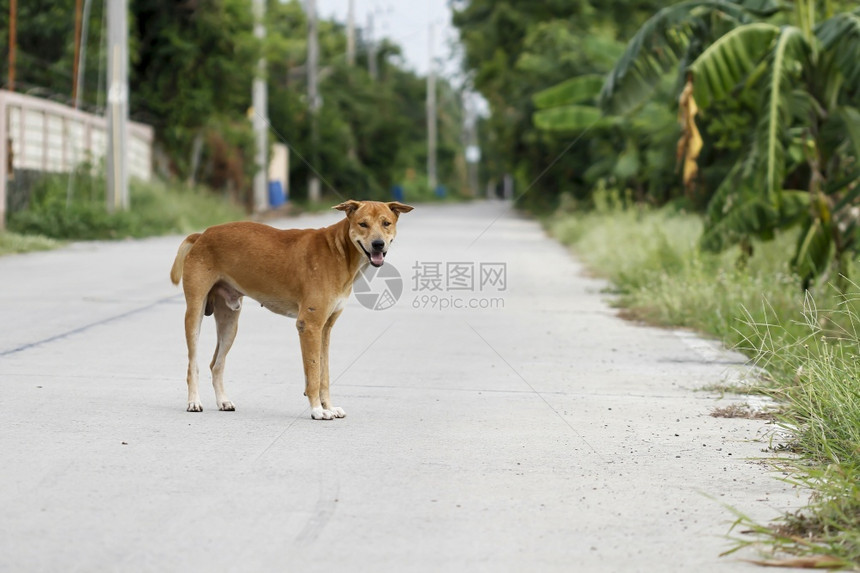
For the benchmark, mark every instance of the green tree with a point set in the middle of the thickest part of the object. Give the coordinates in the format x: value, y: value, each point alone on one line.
x: 45, y: 48
x: 372, y: 133
x: 192, y: 66
x: 191, y: 74
x: 515, y: 48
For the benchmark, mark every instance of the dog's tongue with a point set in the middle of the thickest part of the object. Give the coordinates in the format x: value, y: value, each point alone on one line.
x: 376, y: 258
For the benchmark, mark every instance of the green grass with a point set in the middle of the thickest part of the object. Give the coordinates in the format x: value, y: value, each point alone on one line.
x: 809, y: 345
x: 156, y: 208
x: 59, y: 211
x: 13, y: 243
x: 661, y: 277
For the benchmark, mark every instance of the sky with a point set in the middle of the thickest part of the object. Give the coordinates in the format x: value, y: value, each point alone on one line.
x: 407, y: 23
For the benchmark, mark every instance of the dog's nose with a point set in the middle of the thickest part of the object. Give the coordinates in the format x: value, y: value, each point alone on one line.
x: 378, y: 244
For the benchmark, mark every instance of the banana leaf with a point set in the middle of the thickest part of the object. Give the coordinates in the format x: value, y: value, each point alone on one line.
x: 724, y: 65
x: 787, y: 58
x: 575, y: 90
x: 660, y: 44
x: 841, y: 35
x: 571, y: 118
x: 815, y: 248
x: 850, y: 118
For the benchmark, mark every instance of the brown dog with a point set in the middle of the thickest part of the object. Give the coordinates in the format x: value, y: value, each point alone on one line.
x: 304, y: 274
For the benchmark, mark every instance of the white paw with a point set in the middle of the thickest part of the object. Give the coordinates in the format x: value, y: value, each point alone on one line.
x: 322, y: 414
x: 195, y: 406
x: 226, y: 406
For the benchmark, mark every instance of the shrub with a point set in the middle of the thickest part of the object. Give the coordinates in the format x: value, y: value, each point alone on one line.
x: 72, y: 206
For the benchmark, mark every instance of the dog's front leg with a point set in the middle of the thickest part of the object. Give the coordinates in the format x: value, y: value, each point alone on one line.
x: 310, y: 336
x: 325, y: 397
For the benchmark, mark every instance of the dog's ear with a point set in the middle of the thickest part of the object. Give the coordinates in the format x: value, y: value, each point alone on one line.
x: 398, y: 208
x: 349, y: 207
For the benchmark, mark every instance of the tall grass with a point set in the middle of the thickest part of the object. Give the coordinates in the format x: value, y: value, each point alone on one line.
x: 661, y: 277
x: 807, y: 342
x: 11, y: 243
x: 156, y: 208
x: 819, y: 389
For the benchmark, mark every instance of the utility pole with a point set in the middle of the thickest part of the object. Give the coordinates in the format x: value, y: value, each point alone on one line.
x: 350, y: 34
x: 371, y: 49
x: 470, y: 136
x: 350, y: 61
x: 260, y: 122
x: 78, y: 21
x: 13, y: 41
x: 313, y: 98
x: 431, y: 117
x: 81, y: 55
x: 117, y: 110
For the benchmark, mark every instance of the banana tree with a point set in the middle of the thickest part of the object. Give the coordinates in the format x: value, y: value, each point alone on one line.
x: 806, y: 77
x: 626, y: 147
x: 808, y: 132
x: 669, y: 41
x: 630, y: 100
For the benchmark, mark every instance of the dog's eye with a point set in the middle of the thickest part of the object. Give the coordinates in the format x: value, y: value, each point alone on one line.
x: 386, y: 223
x: 363, y: 225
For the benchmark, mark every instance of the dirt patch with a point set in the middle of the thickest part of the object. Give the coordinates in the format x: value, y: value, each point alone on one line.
x: 741, y: 411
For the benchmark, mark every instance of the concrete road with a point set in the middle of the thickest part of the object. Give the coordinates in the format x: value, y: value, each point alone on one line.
x: 530, y: 430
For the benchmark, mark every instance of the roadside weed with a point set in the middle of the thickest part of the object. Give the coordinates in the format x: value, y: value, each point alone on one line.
x: 11, y: 243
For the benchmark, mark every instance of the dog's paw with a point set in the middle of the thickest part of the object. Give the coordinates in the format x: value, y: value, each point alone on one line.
x: 195, y: 407
x: 226, y: 406
x: 326, y: 414
x: 320, y: 414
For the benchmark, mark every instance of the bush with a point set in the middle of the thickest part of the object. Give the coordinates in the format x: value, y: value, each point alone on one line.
x: 73, y: 207
x: 15, y: 243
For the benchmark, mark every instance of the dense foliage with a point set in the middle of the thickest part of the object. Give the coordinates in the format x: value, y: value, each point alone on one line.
x: 192, y: 65
x: 156, y: 209
x: 745, y: 109
x: 516, y: 48
x: 791, y: 72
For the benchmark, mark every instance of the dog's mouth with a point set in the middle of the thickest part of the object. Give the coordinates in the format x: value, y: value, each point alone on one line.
x: 375, y: 257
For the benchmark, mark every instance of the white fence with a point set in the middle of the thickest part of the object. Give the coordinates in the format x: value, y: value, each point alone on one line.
x: 42, y: 135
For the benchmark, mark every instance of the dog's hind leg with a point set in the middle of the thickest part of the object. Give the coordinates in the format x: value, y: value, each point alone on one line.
x: 226, y: 325
x: 196, y: 282
x: 193, y: 318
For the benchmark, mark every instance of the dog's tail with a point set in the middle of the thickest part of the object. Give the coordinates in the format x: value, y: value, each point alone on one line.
x: 179, y: 263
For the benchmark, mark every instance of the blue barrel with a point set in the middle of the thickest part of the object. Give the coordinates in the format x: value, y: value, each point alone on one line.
x: 276, y: 194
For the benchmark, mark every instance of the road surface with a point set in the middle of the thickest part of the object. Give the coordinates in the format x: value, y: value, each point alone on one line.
x: 530, y: 429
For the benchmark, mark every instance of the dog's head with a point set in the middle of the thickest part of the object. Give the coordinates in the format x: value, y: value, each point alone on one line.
x: 372, y: 226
